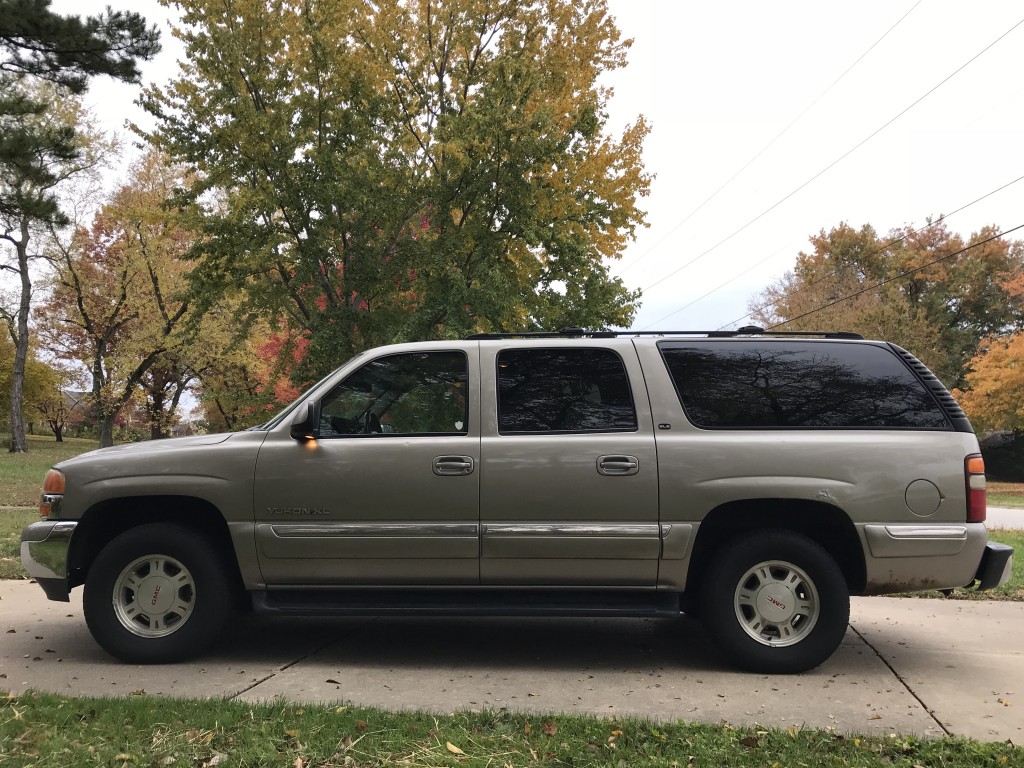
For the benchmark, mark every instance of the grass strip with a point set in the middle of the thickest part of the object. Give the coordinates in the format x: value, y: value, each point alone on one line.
x: 11, y: 523
x: 21, y: 474
x: 47, y: 730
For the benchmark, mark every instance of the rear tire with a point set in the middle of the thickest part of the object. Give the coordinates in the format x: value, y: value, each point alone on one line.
x: 775, y: 601
x: 158, y: 593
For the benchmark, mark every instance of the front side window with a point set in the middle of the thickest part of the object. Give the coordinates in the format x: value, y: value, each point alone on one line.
x: 405, y: 394
x: 563, y: 390
x: 798, y: 384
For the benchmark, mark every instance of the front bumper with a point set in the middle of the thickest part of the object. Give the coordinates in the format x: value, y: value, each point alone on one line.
x: 995, y: 566
x: 44, y: 553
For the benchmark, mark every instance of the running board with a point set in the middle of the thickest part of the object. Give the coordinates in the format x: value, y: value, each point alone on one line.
x: 466, y: 602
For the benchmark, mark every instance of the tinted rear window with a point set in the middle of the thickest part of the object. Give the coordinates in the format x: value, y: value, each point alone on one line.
x: 563, y: 390
x: 825, y: 385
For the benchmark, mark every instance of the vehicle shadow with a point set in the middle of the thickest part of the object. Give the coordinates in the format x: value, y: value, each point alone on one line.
x: 534, y: 643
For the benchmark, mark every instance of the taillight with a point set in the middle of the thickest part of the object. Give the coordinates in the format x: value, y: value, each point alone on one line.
x: 974, y: 472
x: 53, y: 492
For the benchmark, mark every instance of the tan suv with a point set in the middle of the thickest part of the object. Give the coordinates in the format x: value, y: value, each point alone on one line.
x: 756, y: 480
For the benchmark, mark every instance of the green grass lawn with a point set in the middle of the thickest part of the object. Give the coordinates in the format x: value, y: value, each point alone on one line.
x: 48, y: 730
x: 1005, y: 494
x: 21, y: 474
x: 11, y: 523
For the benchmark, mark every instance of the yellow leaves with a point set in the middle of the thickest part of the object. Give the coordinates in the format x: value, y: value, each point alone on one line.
x: 453, y: 749
x: 995, y: 398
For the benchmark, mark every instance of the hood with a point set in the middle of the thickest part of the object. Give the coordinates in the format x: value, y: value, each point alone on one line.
x: 145, y: 448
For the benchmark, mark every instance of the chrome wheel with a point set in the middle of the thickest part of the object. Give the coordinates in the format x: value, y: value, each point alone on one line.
x: 154, y: 596
x: 776, y: 603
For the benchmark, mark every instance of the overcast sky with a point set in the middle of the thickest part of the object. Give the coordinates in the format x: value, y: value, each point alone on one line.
x: 889, y: 112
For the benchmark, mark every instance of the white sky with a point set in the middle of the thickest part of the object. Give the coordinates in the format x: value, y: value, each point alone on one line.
x: 720, y: 80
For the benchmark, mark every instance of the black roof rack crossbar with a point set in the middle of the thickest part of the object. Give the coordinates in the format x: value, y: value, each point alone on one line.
x: 570, y: 333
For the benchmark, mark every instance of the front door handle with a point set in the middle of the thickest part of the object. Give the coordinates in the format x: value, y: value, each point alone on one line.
x: 446, y: 466
x: 617, y: 465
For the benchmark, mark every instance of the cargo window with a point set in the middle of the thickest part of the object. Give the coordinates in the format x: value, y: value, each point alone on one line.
x: 404, y: 394
x: 563, y: 390
x: 798, y: 384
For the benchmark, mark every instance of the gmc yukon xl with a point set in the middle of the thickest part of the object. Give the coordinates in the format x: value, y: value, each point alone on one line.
x: 756, y: 480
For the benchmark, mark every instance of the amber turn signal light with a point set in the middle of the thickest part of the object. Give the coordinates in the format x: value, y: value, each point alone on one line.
x: 53, y: 489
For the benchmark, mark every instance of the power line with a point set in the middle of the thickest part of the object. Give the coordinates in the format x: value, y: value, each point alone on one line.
x: 896, y: 277
x: 821, y: 279
x: 767, y: 146
x: 835, y: 162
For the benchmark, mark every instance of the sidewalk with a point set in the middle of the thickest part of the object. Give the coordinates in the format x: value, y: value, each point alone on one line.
x: 1004, y: 517
x: 909, y: 666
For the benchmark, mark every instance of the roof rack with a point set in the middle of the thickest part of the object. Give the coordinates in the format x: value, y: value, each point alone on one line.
x: 576, y: 333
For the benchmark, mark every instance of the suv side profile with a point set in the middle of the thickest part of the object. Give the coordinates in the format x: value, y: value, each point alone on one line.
x: 757, y: 480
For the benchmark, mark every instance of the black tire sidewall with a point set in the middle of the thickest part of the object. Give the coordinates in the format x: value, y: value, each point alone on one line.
x: 213, y: 600
x: 732, y: 561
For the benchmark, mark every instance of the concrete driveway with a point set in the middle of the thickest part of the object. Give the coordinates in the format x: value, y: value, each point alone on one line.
x: 910, y: 666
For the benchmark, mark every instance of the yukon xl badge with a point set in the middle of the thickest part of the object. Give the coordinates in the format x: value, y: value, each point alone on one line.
x: 298, y: 511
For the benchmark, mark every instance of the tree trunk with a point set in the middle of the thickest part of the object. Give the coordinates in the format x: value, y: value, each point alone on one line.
x: 107, y: 430
x: 18, y: 442
x: 156, y: 416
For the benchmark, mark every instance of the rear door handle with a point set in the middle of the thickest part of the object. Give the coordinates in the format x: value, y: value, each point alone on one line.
x: 446, y: 466
x: 617, y: 465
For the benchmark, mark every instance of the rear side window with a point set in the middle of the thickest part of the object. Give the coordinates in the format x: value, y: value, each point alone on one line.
x: 799, y: 384
x: 563, y: 390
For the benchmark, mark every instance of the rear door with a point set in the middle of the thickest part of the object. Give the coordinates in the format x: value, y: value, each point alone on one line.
x: 569, y: 482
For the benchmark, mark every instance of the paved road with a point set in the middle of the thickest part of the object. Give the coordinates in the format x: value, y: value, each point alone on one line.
x: 926, y: 667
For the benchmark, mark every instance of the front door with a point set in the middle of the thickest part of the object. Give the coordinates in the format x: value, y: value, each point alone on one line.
x: 388, y: 491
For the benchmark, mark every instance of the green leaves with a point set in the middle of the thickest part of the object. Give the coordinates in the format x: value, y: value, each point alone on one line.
x: 406, y: 170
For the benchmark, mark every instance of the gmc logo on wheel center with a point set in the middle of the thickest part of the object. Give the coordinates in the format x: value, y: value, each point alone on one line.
x: 156, y: 594
x: 775, y: 602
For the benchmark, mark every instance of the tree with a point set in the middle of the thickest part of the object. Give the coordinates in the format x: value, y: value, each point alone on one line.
x: 27, y: 205
x: 68, y: 50
x: 406, y: 169
x: 926, y: 290
x: 994, y: 396
x: 119, y: 300
x: 40, y: 382
x: 38, y: 145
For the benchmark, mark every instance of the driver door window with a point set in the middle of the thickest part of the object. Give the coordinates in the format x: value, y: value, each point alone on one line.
x: 422, y: 393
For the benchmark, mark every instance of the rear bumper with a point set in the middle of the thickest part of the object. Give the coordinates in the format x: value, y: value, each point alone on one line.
x: 995, y: 566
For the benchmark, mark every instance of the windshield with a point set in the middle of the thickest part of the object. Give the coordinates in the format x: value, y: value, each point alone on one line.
x: 298, y: 401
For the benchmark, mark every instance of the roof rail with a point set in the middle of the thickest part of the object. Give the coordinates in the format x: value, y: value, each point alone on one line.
x: 575, y: 333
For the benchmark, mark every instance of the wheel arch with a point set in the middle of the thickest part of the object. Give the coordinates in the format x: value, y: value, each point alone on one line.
x: 108, y: 519
x: 823, y: 523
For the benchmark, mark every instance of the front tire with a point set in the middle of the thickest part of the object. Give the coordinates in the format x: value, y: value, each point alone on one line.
x: 157, y: 593
x: 775, y: 601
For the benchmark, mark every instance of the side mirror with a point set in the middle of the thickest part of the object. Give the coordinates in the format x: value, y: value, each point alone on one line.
x: 305, y: 424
